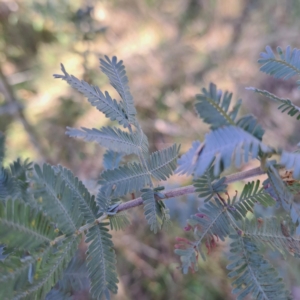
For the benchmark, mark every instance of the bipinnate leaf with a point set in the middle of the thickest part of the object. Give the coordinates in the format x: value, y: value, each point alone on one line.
x: 213, y: 107
x: 162, y: 163
x: 275, y: 233
x: 186, y: 163
x: 151, y: 210
x: 285, y: 66
x: 209, y: 224
x: 23, y: 227
x: 48, y: 269
x: 285, y: 196
x: 252, y: 273
x: 57, y: 199
x: 209, y: 185
x: 125, y: 179
x: 101, y: 262
x: 252, y: 193
x: 286, y: 105
x: 249, y: 124
x: 74, y: 282
x: 225, y: 145
x: 103, y: 102
x: 87, y: 203
x: 110, y: 137
x: 116, y: 73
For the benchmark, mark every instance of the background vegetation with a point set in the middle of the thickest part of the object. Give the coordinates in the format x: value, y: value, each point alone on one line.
x: 171, y: 49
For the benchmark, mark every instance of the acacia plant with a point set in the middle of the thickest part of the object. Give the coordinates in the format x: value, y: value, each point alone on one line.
x: 45, y: 211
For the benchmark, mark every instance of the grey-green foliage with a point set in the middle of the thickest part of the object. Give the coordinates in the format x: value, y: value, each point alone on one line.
x: 252, y: 273
x: 285, y: 66
x: 252, y: 194
x: 233, y: 142
x: 213, y: 106
x: 286, y: 105
x: 103, y: 102
x: 226, y: 145
x: 46, y: 212
x: 60, y: 208
x: 209, y: 185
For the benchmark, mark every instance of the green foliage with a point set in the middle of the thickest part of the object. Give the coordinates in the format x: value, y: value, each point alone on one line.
x: 222, y: 144
x: 125, y: 179
x: 16, y: 219
x: 209, y: 185
x: 286, y: 66
x: 155, y: 212
x: 277, y: 234
x: 103, y: 102
x: 252, y: 273
x: 109, y: 137
x: 101, y: 261
x: 57, y: 200
x: 116, y: 73
x: 250, y: 195
x: 212, y: 106
x: 46, y: 213
x: 285, y: 104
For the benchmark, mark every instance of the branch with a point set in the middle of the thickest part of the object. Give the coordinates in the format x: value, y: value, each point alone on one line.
x: 191, y: 189
x: 169, y: 194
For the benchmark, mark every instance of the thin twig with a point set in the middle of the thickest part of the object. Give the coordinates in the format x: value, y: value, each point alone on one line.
x: 190, y: 189
x: 167, y: 195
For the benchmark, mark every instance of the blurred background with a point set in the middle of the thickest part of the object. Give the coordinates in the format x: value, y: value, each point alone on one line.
x: 171, y: 50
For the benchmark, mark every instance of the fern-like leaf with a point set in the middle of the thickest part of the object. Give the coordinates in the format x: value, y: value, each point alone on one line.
x: 103, y: 102
x: 123, y: 180
x: 116, y: 73
x: 23, y: 227
x: 283, y: 194
x: 87, y: 203
x: 213, y: 107
x: 208, y: 185
x: 48, y: 269
x: 252, y: 273
x: 285, y: 66
x: 162, y: 163
x: 285, y: 104
x: 250, y: 195
x: 271, y: 232
x: 188, y: 258
x: 151, y: 210
x: 249, y: 124
x: 186, y: 163
x: 101, y: 261
x: 109, y: 137
x: 213, y: 220
x: 74, y: 282
x: 57, y: 199
x: 279, y: 189
x: 224, y: 145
